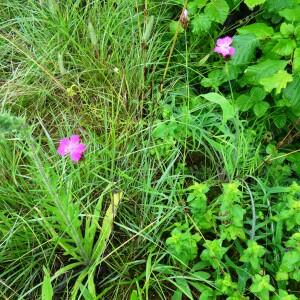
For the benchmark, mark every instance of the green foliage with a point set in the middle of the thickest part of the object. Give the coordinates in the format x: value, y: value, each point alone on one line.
x: 189, y: 185
x: 261, y: 286
x: 213, y: 253
x: 252, y: 3
x: 182, y: 244
x: 253, y: 255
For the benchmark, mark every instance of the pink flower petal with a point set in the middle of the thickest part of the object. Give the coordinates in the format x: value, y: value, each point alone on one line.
x: 75, y: 156
x: 226, y: 41
x: 72, y: 147
x: 231, y: 51
x: 221, y: 51
x: 63, y: 146
x: 75, y: 138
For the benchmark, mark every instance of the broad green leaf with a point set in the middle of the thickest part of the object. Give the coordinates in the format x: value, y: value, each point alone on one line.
x: 228, y: 111
x: 257, y: 94
x: 47, y: 290
x: 287, y: 29
x: 200, y: 23
x: 292, y: 93
x: 217, y: 10
x: 291, y: 14
x: 215, y: 79
x: 194, y: 6
x: 265, y: 68
x: 280, y: 120
x: 244, y: 103
x: 245, y: 46
x: 260, y: 30
x: 252, y: 3
x: 277, y: 5
x: 296, y: 61
x: 297, y: 32
x: 277, y: 81
x: 285, y: 47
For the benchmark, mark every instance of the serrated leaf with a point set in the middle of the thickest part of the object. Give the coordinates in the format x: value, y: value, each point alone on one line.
x: 277, y: 5
x: 287, y: 29
x: 196, y: 5
x: 265, y: 68
x: 280, y: 120
x: 252, y: 3
x: 277, y: 81
x: 217, y: 10
x: 260, y: 30
x: 228, y: 111
x: 296, y: 61
x: 291, y: 14
x: 260, y: 108
x: 285, y: 47
x: 201, y: 23
x: 292, y: 93
x: 245, y: 46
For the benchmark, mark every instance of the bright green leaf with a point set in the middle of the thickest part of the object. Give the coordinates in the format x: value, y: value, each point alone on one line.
x: 292, y: 93
x: 261, y: 108
x: 263, y: 69
x: 217, y: 10
x: 260, y: 30
x: 47, y: 290
x: 291, y: 14
x: 244, y: 103
x: 287, y: 29
x: 200, y: 23
x: 296, y: 61
x: 277, y: 81
x: 252, y: 3
x: 228, y: 111
x: 285, y: 47
x: 196, y: 5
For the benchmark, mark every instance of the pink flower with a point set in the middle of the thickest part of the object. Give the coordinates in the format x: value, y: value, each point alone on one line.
x: 71, y: 146
x: 223, y: 47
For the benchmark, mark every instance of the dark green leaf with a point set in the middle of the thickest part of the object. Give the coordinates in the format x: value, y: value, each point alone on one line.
x: 245, y: 46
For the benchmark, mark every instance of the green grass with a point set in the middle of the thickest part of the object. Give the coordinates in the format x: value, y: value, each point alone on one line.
x: 96, y: 68
x: 67, y: 69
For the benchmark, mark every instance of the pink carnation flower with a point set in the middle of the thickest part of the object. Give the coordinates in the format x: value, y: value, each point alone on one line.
x: 223, y: 47
x: 71, y: 146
